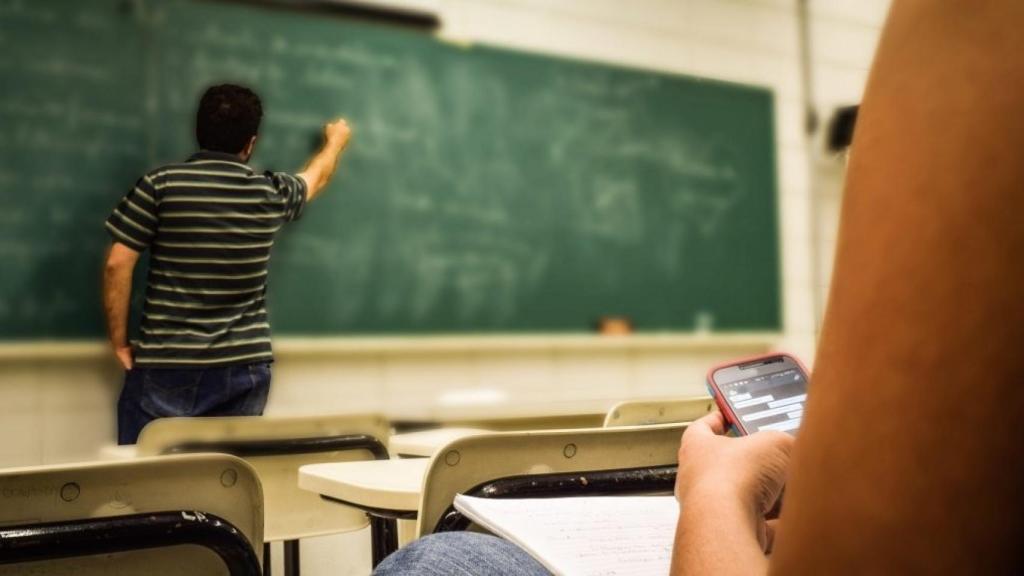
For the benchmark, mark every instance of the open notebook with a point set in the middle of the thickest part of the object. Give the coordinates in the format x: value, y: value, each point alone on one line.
x: 587, y: 536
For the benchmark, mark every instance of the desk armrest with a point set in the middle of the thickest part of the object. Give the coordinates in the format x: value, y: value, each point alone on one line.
x: 92, y: 536
x: 621, y: 482
x: 286, y: 446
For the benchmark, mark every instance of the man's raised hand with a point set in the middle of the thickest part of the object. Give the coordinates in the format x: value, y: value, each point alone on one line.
x: 338, y: 132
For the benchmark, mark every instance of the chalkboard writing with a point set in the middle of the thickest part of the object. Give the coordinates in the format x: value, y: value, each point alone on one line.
x: 486, y: 190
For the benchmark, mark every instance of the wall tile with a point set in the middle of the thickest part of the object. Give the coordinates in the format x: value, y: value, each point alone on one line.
x: 869, y: 13
x: 590, y: 374
x: 843, y: 43
x: 325, y: 385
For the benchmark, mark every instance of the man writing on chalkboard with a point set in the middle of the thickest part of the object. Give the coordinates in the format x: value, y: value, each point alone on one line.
x: 209, y: 223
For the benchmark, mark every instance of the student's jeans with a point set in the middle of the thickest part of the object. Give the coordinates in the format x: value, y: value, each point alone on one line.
x: 460, y: 554
x: 151, y: 393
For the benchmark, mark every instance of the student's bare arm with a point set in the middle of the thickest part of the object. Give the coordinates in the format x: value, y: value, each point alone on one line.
x: 910, y: 458
x: 321, y: 167
x: 117, y: 291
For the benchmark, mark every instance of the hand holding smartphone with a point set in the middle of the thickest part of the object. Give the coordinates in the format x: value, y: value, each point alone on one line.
x: 761, y: 393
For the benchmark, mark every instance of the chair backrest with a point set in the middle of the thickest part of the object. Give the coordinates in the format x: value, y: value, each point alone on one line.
x: 196, y: 488
x: 658, y: 411
x: 469, y: 462
x: 276, y: 447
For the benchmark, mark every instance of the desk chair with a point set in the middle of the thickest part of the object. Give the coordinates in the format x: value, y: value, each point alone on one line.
x: 276, y: 447
x: 173, y: 516
x: 658, y: 411
x: 540, y: 464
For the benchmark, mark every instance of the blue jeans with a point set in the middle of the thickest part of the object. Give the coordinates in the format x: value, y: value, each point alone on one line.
x: 460, y: 554
x: 151, y: 393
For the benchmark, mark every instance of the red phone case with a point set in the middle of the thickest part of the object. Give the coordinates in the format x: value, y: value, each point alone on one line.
x: 723, y: 406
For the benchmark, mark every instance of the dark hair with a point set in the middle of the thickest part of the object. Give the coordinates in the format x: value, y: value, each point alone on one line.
x: 228, y: 116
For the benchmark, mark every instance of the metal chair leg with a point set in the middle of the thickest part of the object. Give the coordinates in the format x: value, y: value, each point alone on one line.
x: 383, y: 538
x: 291, y: 558
x: 266, y: 559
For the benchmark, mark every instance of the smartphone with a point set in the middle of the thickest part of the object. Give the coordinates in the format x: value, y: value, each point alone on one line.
x: 761, y: 393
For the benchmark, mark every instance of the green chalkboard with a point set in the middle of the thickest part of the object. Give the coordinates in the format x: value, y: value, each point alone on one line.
x: 485, y: 190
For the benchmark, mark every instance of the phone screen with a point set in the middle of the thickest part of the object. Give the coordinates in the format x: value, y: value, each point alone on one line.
x: 769, y: 399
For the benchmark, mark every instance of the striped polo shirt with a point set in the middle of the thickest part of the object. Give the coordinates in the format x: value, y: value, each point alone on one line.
x: 209, y: 224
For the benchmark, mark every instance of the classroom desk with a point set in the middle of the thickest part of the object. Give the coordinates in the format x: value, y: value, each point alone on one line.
x: 504, y: 416
x: 426, y: 442
x: 118, y: 452
x: 387, y: 490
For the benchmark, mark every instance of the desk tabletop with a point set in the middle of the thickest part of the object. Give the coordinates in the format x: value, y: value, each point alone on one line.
x: 427, y: 442
x: 473, y: 415
x: 115, y: 452
x: 384, y: 484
